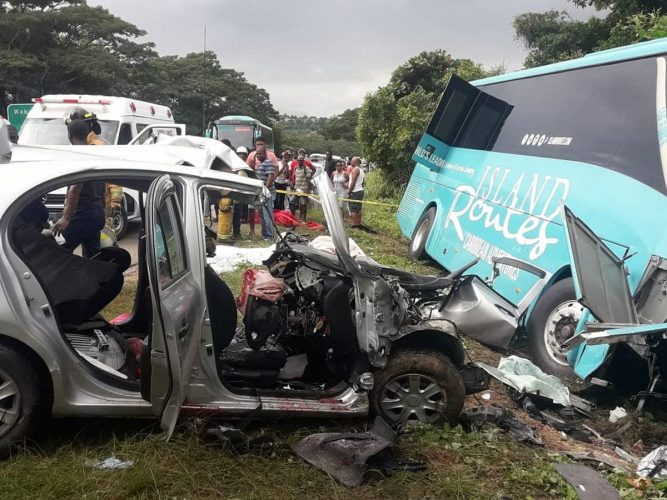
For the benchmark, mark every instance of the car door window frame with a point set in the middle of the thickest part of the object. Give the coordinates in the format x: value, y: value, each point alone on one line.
x: 173, y: 212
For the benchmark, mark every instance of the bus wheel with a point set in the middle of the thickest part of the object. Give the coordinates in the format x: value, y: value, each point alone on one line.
x: 553, y: 321
x: 417, y: 246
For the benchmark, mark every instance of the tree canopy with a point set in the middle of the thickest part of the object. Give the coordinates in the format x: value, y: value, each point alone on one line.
x: 56, y: 47
x: 554, y: 36
x: 393, y: 118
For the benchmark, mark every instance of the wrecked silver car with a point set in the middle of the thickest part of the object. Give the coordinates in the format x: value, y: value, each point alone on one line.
x: 342, y: 329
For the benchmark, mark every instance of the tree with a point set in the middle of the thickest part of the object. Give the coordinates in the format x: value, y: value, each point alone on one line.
x: 51, y: 46
x: 66, y: 46
x: 554, y: 36
x: 393, y: 118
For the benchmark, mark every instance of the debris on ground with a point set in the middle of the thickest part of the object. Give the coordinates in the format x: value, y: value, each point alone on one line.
x: 598, y: 458
x: 348, y: 456
x: 475, y: 419
x: 111, y: 463
x: 526, y: 378
x: 617, y: 414
x: 588, y: 483
x: 238, y: 441
x: 654, y: 465
x: 228, y: 258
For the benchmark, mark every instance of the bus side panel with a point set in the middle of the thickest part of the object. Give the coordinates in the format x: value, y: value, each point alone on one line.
x: 494, y: 204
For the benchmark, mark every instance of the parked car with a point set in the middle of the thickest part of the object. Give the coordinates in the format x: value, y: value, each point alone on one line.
x: 177, y: 352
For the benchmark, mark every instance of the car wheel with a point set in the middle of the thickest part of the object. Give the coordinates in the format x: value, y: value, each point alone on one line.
x: 417, y: 246
x: 119, y: 223
x: 418, y: 385
x: 21, y: 399
x: 552, y: 322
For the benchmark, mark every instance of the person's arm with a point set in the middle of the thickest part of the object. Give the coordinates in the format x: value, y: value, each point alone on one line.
x: 270, y: 178
x: 71, y: 202
x: 353, y: 179
x: 250, y: 161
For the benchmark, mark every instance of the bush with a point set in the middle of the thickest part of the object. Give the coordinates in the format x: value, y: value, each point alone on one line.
x: 379, y: 186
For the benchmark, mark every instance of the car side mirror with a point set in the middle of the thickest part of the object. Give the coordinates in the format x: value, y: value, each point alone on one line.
x: 519, y: 264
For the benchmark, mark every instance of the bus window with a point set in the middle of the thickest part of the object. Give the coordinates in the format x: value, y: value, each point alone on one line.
x: 238, y: 135
x: 602, y: 115
x: 458, y: 98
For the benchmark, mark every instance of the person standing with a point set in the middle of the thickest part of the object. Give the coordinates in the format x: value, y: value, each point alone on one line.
x: 339, y: 180
x: 83, y: 215
x: 266, y: 173
x: 355, y: 191
x: 281, y: 182
x: 302, y: 183
x: 330, y: 164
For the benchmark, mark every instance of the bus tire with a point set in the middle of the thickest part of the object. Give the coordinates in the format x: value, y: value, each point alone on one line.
x: 417, y: 246
x: 553, y: 321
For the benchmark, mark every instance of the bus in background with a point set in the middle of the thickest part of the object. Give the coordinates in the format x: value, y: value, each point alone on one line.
x: 501, y: 155
x: 240, y: 131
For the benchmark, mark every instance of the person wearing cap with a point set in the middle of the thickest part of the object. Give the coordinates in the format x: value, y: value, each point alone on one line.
x: 113, y: 194
x: 83, y: 215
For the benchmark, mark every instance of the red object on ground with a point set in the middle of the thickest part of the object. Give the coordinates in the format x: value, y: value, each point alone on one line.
x: 285, y: 218
x: 259, y: 283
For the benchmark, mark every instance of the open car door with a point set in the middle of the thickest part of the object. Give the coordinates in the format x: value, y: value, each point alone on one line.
x: 601, y: 285
x: 177, y: 303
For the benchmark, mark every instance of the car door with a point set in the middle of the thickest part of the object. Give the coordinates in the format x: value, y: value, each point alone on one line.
x: 177, y: 301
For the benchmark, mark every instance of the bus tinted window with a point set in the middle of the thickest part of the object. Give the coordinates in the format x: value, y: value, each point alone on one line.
x: 452, y: 111
x: 603, y: 115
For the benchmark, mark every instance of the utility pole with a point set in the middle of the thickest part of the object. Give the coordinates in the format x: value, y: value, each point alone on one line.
x: 203, y: 94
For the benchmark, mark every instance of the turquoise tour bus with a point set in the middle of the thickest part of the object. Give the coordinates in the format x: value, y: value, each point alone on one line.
x: 502, y: 155
x: 240, y: 131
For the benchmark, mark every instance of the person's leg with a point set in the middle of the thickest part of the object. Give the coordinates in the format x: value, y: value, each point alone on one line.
x: 304, y: 208
x: 74, y: 234
x: 270, y: 221
x: 236, y: 220
x: 94, y: 224
x: 251, y: 220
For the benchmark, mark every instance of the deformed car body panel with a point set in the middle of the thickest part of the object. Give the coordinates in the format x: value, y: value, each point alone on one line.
x: 374, y: 316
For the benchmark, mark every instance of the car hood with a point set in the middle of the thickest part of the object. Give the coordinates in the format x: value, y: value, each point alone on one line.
x: 336, y: 225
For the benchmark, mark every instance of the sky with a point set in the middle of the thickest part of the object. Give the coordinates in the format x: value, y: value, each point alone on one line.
x: 320, y: 57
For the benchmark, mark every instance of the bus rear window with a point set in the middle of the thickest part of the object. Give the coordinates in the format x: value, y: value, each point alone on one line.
x: 601, y: 115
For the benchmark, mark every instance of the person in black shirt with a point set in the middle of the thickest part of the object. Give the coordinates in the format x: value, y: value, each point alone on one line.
x: 83, y: 215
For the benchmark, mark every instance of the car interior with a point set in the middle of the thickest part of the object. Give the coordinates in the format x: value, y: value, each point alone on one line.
x: 117, y: 350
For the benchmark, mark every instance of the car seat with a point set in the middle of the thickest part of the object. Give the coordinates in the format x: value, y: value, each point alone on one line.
x: 78, y: 288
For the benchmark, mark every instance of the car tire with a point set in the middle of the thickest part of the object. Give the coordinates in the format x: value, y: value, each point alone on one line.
x: 418, y: 385
x: 21, y: 397
x: 553, y: 320
x: 417, y: 246
x: 119, y: 223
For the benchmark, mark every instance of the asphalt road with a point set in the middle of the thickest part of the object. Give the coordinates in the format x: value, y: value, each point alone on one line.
x: 130, y: 240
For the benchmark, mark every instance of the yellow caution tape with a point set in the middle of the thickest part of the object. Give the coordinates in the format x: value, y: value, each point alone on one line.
x: 314, y: 196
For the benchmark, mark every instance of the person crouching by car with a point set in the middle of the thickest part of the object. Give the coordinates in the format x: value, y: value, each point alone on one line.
x: 83, y: 214
x: 266, y: 171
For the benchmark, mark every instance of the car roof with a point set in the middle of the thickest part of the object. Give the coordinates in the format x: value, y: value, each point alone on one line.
x: 22, y: 176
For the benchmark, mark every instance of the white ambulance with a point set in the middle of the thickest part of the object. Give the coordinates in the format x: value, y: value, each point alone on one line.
x: 121, y: 119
